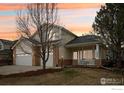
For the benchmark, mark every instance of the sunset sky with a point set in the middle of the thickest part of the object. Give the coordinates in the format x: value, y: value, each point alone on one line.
x: 78, y: 18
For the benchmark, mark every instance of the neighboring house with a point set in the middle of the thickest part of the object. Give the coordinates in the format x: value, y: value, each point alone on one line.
x: 67, y: 49
x: 5, y: 52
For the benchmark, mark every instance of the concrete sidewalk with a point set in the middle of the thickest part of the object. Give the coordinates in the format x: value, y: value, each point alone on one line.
x: 14, y: 69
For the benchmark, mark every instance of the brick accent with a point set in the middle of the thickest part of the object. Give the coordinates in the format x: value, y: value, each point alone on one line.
x: 98, y: 63
x: 56, y: 56
x: 36, y: 60
x: 65, y: 62
x: 14, y: 56
x: 75, y: 62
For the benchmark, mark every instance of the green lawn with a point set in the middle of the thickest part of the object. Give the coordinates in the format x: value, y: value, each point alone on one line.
x: 69, y: 76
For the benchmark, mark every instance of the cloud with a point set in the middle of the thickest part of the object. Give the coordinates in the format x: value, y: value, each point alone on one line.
x: 7, y: 28
x: 8, y: 35
x: 79, y: 18
x: 8, y: 7
x: 78, y: 5
x: 7, y: 17
x: 79, y: 29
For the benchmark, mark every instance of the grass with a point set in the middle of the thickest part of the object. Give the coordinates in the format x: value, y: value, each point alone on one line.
x: 69, y: 76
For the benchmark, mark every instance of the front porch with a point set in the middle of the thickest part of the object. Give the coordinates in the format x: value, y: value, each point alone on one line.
x: 87, y: 55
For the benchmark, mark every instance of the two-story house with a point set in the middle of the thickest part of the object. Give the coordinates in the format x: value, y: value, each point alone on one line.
x: 67, y: 49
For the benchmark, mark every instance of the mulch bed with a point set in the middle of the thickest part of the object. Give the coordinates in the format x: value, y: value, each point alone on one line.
x: 31, y: 73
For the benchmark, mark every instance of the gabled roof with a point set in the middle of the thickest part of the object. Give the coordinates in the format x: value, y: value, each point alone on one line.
x: 87, y: 39
x: 36, y: 42
x: 23, y: 38
x: 62, y: 28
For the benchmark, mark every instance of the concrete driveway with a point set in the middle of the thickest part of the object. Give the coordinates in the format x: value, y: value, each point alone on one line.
x: 13, y: 69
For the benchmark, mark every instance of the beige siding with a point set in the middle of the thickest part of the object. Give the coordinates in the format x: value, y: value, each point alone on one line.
x: 65, y: 52
x: 56, y: 36
x: 25, y: 46
x: 66, y: 37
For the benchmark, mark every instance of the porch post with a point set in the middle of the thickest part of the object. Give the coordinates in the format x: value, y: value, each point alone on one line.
x: 14, y: 56
x: 97, y: 51
x: 82, y: 53
x: 93, y: 52
x: 77, y: 56
x: 97, y: 56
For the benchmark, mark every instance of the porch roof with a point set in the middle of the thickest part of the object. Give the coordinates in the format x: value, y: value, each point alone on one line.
x: 83, y: 41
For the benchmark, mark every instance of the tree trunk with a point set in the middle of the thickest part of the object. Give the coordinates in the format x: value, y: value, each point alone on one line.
x: 44, y: 66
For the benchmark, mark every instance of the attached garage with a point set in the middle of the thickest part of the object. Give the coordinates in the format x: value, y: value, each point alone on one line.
x: 26, y: 60
x: 25, y: 55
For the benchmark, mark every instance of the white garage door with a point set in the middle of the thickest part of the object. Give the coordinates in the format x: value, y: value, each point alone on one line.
x: 24, y: 60
x: 27, y: 60
x: 49, y: 63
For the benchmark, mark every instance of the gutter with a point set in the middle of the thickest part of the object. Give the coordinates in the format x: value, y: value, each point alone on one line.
x: 80, y: 44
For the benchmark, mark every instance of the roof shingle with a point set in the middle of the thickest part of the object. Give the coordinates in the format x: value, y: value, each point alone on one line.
x: 84, y: 39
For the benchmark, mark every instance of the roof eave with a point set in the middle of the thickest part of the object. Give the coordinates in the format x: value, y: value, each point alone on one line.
x: 81, y: 44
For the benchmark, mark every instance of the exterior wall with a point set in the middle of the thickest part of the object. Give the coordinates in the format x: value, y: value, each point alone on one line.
x: 36, y: 61
x: 49, y: 63
x: 56, y: 56
x: 102, y: 56
x: 66, y: 37
x: 36, y: 37
x: 20, y: 57
x: 98, y: 62
x: 56, y: 36
x: 61, y: 52
x: 65, y: 54
x: 14, y: 56
x: 26, y: 47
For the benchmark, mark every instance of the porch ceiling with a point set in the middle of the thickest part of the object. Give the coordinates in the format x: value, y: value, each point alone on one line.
x: 81, y: 45
x: 84, y: 47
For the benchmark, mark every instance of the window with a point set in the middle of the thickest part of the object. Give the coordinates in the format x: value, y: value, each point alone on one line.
x: 87, y: 54
x: 75, y: 55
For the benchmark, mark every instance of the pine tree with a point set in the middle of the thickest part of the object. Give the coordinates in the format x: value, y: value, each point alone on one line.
x: 109, y: 25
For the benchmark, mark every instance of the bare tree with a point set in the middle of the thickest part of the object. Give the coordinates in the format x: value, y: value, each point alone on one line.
x: 38, y: 18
